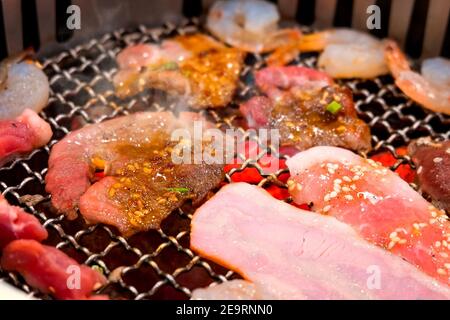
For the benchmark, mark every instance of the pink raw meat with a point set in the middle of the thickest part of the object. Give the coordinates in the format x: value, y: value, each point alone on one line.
x: 295, y: 254
x: 25, y: 133
x: 17, y: 224
x: 376, y: 202
x: 51, y: 270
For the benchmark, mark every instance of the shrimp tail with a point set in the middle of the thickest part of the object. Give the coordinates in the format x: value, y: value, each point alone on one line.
x: 314, y: 42
x: 285, y: 45
x: 395, y: 58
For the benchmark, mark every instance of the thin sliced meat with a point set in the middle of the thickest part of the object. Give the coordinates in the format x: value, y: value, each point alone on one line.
x: 376, y: 202
x: 143, y: 185
x: 231, y: 290
x: 17, y: 224
x: 198, y: 70
x: 296, y: 254
x: 51, y: 270
x: 307, y: 108
x: 22, y: 135
x: 433, y: 169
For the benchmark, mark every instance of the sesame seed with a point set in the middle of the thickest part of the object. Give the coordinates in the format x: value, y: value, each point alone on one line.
x: 333, y: 194
x: 416, y: 226
x: 355, y: 178
x: 346, y: 189
x: 437, y: 244
x: 337, y: 181
x: 437, y: 159
x: 331, y: 171
x: 433, y: 214
x: 347, y: 179
x: 444, y: 243
x: 402, y: 241
x: 448, y: 150
x: 337, y: 188
x: 326, y: 197
x: 353, y: 187
x: 441, y: 271
x: 348, y: 197
x: 443, y: 254
x: 326, y: 208
x: 391, y: 245
x: 422, y: 224
x: 419, y: 171
x: 447, y: 265
x: 432, y: 221
x: 393, y: 235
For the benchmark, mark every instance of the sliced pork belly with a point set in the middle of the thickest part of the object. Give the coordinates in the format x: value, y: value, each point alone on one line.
x: 295, y: 254
x: 22, y: 135
x: 307, y: 108
x: 51, y: 270
x: 376, y: 202
x: 142, y: 185
x: 433, y: 169
x: 231, y: 290
x: 17, y: 224
x: 196, y: 68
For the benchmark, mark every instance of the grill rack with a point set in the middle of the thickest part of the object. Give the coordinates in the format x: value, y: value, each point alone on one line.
x: 159, y: 264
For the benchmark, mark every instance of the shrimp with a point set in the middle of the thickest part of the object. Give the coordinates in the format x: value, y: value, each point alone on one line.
x: 23, y: 85
x: 431, y: 88
x: 347, y: 53
x: 252, y: 26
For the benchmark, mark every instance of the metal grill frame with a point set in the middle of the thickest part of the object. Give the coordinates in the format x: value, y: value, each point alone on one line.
x: 97, y: 57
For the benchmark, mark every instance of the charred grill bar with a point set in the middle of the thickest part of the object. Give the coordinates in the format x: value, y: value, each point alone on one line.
x: 159, y: 264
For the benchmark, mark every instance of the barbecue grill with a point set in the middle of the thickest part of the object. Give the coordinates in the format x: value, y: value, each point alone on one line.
x: 158, y: 264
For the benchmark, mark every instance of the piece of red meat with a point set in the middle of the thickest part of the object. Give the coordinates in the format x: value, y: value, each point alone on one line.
x: 50, y: 270
x: 376, y: 202
x: 17, y: 224
x: 23, y: 134
x: 307, y: 108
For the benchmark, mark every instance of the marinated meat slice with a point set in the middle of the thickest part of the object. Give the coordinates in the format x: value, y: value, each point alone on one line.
x: 201, y: 71
x: 22, y: 135
x: 231, y: 290
x: 307, y: 109
x: 17, y: 224
x: 51, y: 270
x: 143, y: 184
x: 376, y: 202
x: 433, y: 169
x: 294, y: 254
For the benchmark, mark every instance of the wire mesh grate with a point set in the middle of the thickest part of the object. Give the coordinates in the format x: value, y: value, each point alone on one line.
x: 158, y: 264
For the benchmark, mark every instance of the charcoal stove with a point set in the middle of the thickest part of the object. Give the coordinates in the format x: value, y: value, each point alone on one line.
x: 159, y: 264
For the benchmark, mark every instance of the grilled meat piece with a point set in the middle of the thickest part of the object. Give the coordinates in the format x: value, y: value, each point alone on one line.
x: 17, y: 224
x: 51, y: 271
x: 376, y: 202
x: 307, y: 108
x: 433, y: 169
x: 198, y: 69
x: 295, y: 254
x: 143, y: 185
x: 22, y: 135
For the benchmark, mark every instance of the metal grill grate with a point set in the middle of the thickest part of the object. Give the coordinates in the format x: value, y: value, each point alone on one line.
x: 159, y: 264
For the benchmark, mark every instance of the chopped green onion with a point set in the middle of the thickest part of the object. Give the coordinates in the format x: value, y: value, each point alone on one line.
x: 180, y: 190
x: 334, y: 107
x: 98, y: 269
x: 168, y: 66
